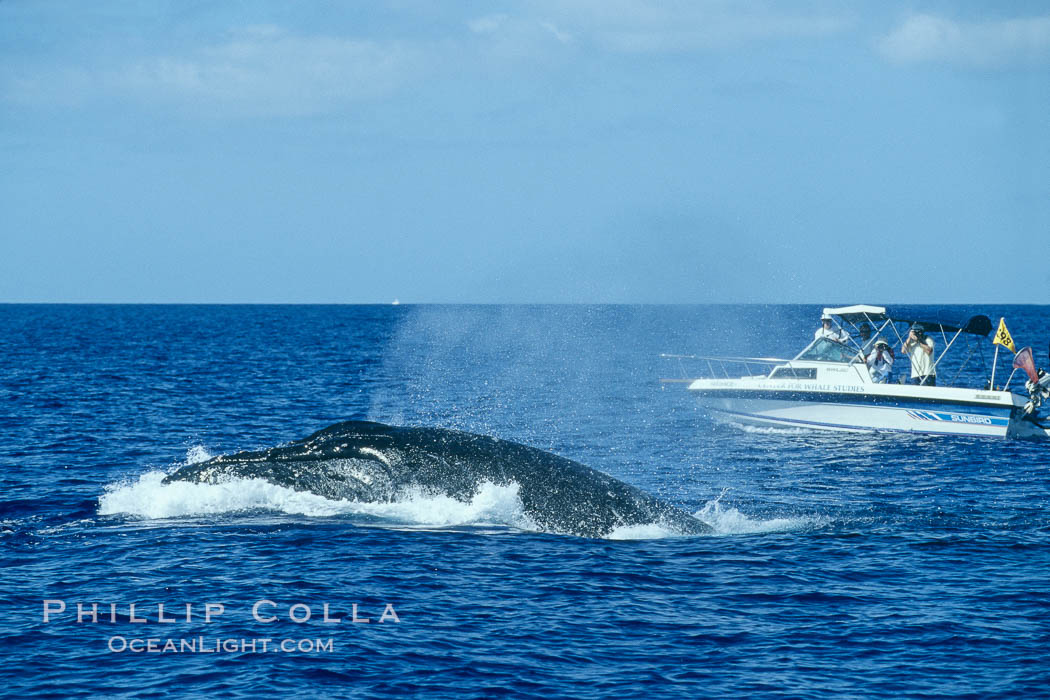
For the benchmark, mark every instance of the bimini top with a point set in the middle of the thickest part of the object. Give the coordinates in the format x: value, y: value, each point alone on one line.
x: 858, y: 312
x: 977, y: 325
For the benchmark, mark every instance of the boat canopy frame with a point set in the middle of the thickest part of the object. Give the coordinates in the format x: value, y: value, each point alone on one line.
x: 975, y: 325
x: 857, y: 314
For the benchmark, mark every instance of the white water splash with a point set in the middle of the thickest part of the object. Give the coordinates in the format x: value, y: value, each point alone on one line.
x: 648, y: 531
x: 198, y: 454
x: 490, y: 505
x: 770, y: 429
x: 149, y: 497
x: 730, y: 521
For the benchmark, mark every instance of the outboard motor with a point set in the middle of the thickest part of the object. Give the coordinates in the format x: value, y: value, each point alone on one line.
x: 1038, y: 383
x: 1038, y: 392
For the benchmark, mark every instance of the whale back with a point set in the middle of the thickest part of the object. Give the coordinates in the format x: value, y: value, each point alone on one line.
x: 374, y: 462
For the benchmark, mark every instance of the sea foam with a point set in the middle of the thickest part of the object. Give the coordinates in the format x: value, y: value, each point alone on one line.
x: 149, y: 497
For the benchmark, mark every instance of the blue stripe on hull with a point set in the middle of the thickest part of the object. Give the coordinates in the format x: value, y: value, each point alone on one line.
x: 856, y: 399
x: 798, y: 422
x: 965, y: 417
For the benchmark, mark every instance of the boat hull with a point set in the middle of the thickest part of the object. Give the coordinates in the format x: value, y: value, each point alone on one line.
x: 861, y: 411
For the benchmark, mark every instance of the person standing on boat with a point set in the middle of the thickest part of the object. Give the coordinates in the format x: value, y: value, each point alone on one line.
x: 826, y: 331
x: 880, y: 362
x: 864, y: 339
x: 919, y: 348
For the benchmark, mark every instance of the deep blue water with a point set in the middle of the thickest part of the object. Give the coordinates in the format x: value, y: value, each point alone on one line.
x: 841, y: 565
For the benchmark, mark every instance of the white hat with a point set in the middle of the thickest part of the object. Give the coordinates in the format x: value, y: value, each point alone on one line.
x: 825, y: 317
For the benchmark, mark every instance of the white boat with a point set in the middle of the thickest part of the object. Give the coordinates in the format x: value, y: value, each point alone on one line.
x: 828, y: 386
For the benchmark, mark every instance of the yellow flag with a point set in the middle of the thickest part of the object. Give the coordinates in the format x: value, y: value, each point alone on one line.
x: 1002, y: 336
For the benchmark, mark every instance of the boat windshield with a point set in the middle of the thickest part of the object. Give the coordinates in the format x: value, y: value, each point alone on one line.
x: 828, y: 350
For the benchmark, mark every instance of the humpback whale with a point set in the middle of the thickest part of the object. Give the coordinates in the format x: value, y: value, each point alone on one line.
x: 373, y: 462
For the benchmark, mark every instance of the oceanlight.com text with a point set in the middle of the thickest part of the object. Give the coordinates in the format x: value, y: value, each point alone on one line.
x: 219, y: 645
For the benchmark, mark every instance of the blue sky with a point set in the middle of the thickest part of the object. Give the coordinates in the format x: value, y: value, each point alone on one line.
x: 545, y: 151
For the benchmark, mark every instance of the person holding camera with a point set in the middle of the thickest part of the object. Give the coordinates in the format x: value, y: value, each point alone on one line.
x: 919, y: 348
x: 880, y: 362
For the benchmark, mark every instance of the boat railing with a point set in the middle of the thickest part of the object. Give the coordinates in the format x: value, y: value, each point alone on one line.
x: 722, y: 367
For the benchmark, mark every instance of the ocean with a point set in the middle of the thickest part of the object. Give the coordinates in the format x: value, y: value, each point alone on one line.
x: 839, y: 565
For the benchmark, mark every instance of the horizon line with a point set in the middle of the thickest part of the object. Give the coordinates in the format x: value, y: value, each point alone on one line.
x: 493, y: 303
